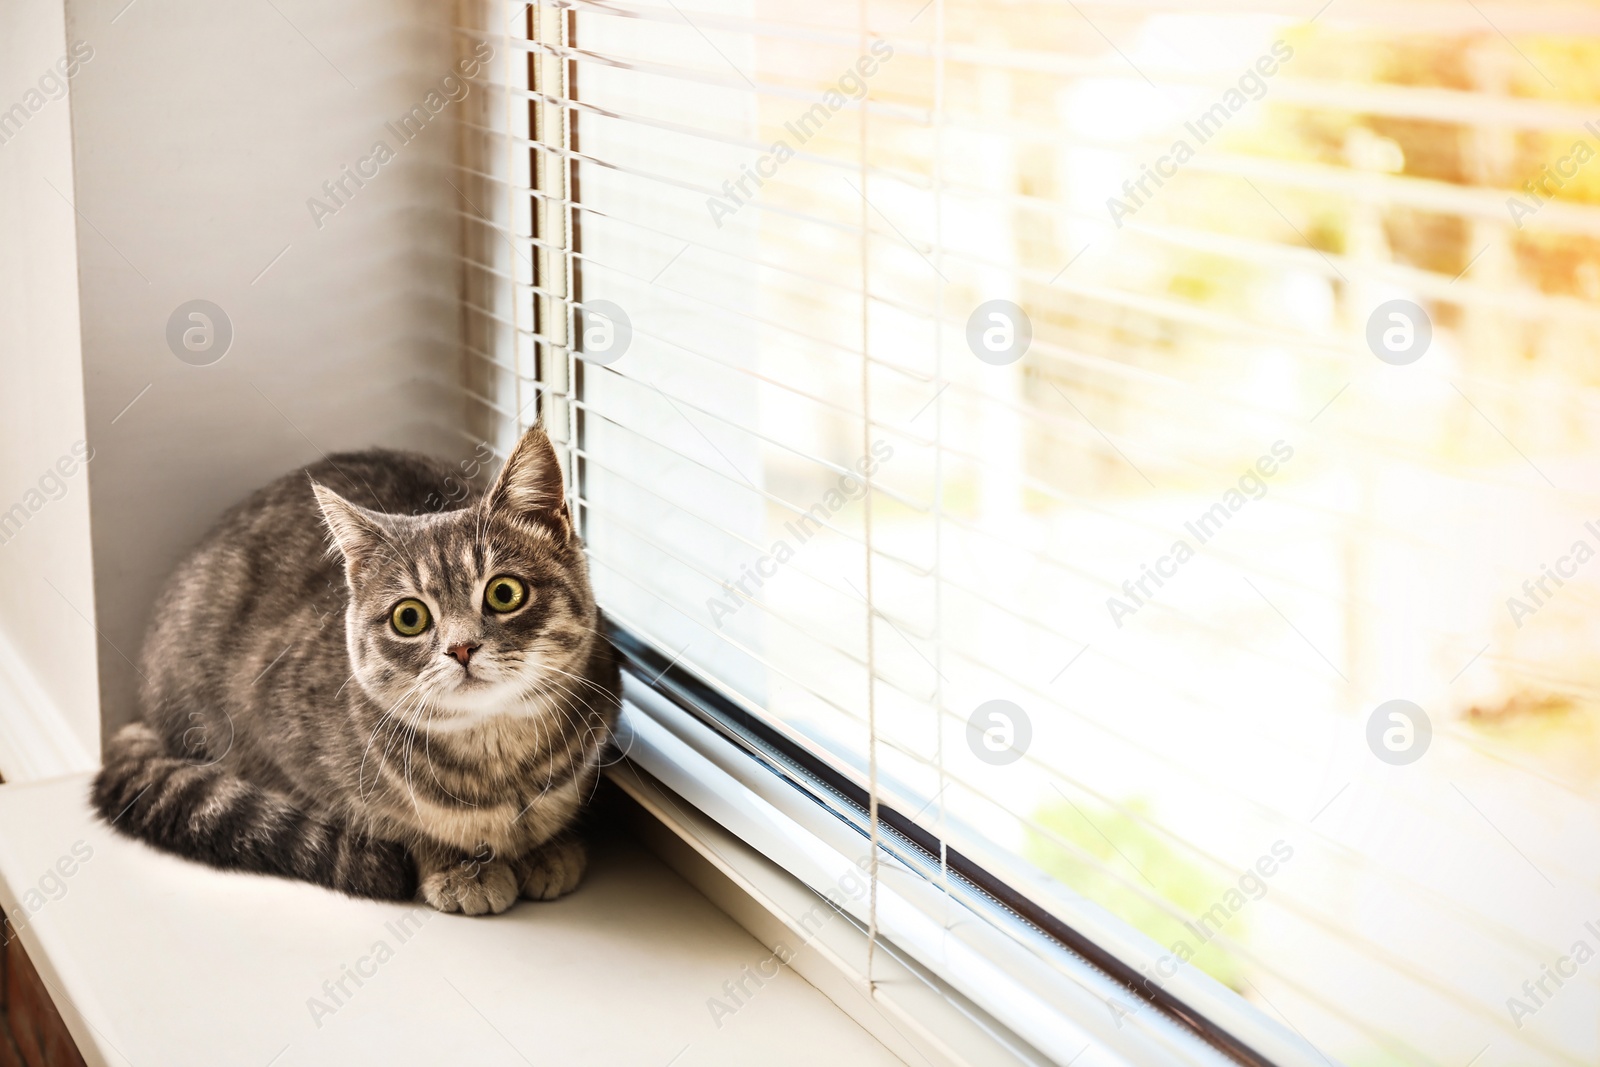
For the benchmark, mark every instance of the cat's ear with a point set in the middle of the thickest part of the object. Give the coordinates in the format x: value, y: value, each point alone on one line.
x: 358, y: 534
x: 530, y: 486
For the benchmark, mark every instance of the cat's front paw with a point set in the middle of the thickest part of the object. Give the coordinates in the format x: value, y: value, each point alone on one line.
x: 554, y: 870
x: 471, y: 888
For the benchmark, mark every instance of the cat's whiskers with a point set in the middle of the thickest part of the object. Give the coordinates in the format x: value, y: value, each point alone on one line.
x: 427, y: 751
x: 482, y: 529
x: 603, y: 736
x: 548, y: 782
x: 393, y: 723
x: 576, y: 678
x: 567, y: 738
x: 410, y: 743
x: 382, y: 719
x: 539, y: 732
x: 544, y: 746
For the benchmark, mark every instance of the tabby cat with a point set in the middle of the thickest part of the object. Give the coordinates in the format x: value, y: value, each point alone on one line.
x: 419, y: 710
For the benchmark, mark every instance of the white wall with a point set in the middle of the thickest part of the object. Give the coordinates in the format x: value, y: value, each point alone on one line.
x: 200, y: 130
x: 49, y: 707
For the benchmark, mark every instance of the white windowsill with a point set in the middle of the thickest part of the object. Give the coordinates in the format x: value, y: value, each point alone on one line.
x: 153, y: 960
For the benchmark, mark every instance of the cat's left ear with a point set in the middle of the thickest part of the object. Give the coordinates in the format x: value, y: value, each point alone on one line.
x: 530, y: 485
x: 358, y: 533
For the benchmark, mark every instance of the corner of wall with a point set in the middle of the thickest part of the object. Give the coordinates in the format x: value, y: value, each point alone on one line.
x: 49, y: 699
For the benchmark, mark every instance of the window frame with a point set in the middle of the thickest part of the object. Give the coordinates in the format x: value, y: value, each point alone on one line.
x: 1100, y: 954
x: 772, y: 773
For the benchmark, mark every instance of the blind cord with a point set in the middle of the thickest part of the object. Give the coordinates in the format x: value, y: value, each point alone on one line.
x: 866, y: 450
x: 938, y: 450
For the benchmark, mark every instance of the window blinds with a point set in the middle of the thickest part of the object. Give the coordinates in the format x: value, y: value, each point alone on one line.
x: 1151, y: 443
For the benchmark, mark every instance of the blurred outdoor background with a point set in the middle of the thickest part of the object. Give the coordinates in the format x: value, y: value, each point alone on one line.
x: 779, y: 337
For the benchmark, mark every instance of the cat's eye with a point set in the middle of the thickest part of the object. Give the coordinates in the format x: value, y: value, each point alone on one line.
x: 505, y: 593
x: 409, y: 618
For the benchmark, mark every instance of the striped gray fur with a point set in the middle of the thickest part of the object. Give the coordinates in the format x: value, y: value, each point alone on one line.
x: 288, y: 726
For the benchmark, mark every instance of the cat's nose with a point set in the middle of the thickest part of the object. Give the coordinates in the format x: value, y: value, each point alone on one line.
x: 462, y: 652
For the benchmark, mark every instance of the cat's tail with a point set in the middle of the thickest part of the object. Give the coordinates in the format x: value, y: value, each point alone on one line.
x: 206, y: 813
